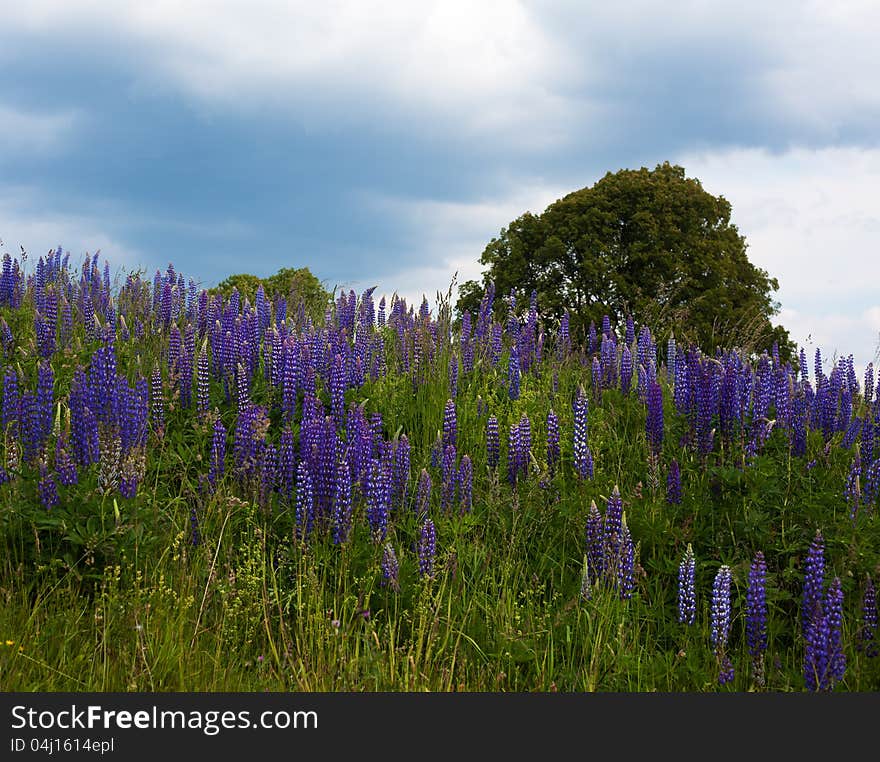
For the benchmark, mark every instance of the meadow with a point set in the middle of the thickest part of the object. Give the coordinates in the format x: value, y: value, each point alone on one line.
x: 200, y: 493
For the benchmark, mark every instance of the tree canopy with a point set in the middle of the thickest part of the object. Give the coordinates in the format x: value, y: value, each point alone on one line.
x: 297, y: 285
x: 651, y: 244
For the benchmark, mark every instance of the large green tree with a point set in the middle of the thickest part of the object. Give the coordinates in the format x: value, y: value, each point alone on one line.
x: 297, y: 285
x: 652, y: 244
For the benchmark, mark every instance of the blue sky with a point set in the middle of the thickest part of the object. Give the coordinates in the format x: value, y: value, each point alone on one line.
x: 385, y: 143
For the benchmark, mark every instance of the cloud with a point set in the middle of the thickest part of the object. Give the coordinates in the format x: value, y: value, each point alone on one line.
x: 22, y: 130
x: 810, y: 219
x: 26, y: 224
x: 448, y: 237
x: 479, y: 69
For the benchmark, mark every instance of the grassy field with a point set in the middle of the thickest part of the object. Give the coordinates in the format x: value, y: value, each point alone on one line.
x: 202, y: 494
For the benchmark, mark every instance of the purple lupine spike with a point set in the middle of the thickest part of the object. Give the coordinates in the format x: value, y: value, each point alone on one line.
x: 450, y: 426
x: 720, y: 619
x: 11, y: 406
x: 45, y: 401
x: 513, y: 373
x: 202, y: 381
x: 174, y: 346
x: 553, y: 452
x: 492, y: 442
x: 390, y: 568
x: 466, y: 482
x: 401, y: 470
x: 563, y: 342
x: 377, y: 501
x: 495, y: 356
x: 423, y: 495
x: 582, y: 457
x: 243, y: 396
x: 814, y: 576
x: 337, y: 388
x: 525, y: 445
x: 626, y: 369
x: 596, y: 377
x: 286, y: 466
x: 630, y: 331
x: 866, y: 639
x: 612, y: 533
x: 218, y: 454
x: 64, y: 465
x: 868, y: 393
x: 833, y: 606
x: 453, y: 375
x: 756, y: 616
x: 513, y: 451
x: 625, y: 581
x: 341, y: 520
x: 157, y: 402
x: 427, y: 549
x: 687, y: 601
x: 305, y: 507
x: 851, y: 489
x: 654, y: 418
x: 673, y: 484
x: 591, y: 338
x: 594, y: 545
x: 47, y: 489
x: 450, y: 478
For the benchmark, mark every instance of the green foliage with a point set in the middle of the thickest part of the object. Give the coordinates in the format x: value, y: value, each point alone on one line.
x: 298, y: 285
x: 651, y: 244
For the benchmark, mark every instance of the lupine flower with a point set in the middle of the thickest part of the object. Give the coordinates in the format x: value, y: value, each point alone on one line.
x: 626, y: 369
x: 866, y: 640
x: 492, y: 444
x: 513, y: 373
x: 427, y: 549
x: 450, y: 478
x: 513, y: 449
x: 450, y: 427
x: 218, y: 454
x: 390, y: 568
x: 720, y: 618
x: 824, y: 661
x: 341, y: 519
x: 453, y: 375
x: 581, y: 450
x: 157, y: 403
x: 378, y: 500
x: 626, y: 567
x: 466, y: 481
x: 553, y: 453
x: 48, y: 489
x: 305, y: 504
x: 756, y: 617
x: 654, y: 419
x: 594, y: 545
x: 814, y: 574
x: 673, y: 484
x: 687, y: 607
x: 64, y: 465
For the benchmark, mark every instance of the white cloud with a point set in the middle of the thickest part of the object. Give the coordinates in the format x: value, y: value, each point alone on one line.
x: 811, y: 220
x: 451, y: 237
x: 478, y: 68
x: 25, y: 225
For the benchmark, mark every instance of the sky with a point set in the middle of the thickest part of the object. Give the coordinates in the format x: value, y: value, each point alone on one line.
x: 386, y: 143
